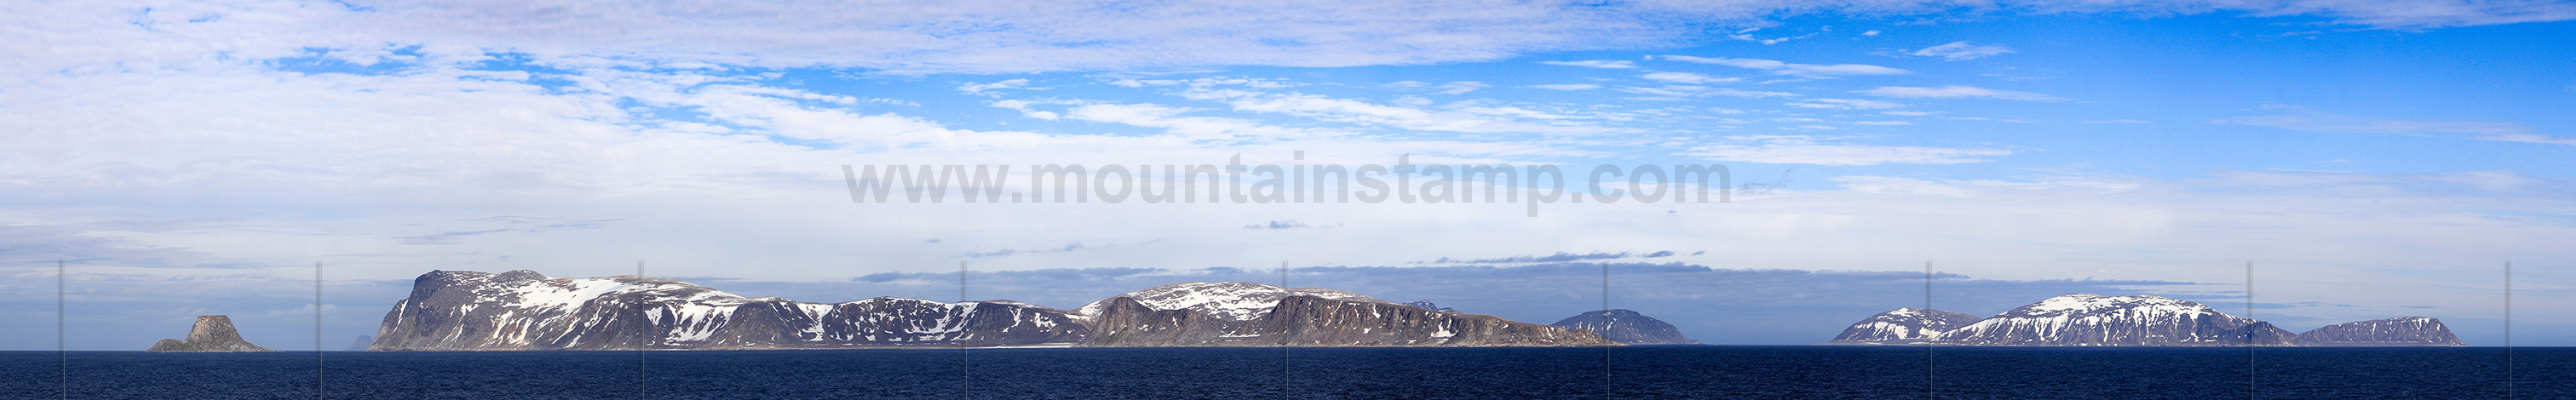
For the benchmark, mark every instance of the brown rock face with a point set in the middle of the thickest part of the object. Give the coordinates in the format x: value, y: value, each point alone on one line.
x: 212, y: 334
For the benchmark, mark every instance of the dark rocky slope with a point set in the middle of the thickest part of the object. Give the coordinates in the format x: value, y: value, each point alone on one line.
x: 2093, y: 320
x: 2400, y: 331
x: 1626, y: 327
x: 211, y: 334
x: 1903, y: 326
x: 524, y: 310
x: 1252, y: 314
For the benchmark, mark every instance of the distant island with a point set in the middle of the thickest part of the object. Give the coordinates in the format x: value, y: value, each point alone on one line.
x: 1627, y: 327
x: 211, y: 334
x: 525, y: 310
x: 2138, y: 320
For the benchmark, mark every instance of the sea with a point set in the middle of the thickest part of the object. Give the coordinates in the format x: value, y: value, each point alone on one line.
x: 1633, y: 372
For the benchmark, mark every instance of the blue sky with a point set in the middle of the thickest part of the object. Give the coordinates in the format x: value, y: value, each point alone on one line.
x: 2374, y: 159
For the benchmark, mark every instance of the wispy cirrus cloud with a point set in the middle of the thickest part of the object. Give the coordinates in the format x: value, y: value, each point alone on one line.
x: 987, y: 88
x: 1845, y: 104
x: 2305, y: 119
x: 1558, y: 257
x: 1956, y: 92
x: 1793, y: 69
x: 1686, y: 91
x: 1686, y: 78
x: 1346, y: 110
x: 1604, y: 64
x: 1961, y: 50
x: 1567, y: 86
x: 1825, y: 150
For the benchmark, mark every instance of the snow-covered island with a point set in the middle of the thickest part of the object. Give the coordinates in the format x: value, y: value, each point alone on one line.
x: 524, y: 310
x: 2139, y: 320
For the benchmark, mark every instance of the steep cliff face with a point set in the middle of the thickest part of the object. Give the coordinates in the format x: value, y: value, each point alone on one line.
x: 1252, y: 314
x: 1903, y: 326
x: 2094, y: 320
x: 524, y: 310
x: 1626, y: 326
x: 211, y: 334
x: 2400, y: 331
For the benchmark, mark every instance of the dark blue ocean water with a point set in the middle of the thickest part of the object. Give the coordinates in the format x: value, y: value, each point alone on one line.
x: 1642, y: 372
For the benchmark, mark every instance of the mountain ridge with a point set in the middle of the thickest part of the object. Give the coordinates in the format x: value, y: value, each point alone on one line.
x: 2083, y: 319
x: 525, y: 310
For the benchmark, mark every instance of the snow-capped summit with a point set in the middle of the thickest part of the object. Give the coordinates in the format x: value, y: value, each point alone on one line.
x: 1904, y: 326
x: 1239, y: 301
x: 2139, y: 320
x: 525, y: 310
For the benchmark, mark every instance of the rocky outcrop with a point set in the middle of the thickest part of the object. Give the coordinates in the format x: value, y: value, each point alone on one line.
x: 1252, y: 314
x: 524, y: 310
x: 1903, y: 326
x: 2400, y: 331
x: 364, y: 341
x: 211, y: 334
x: 1626, y: 327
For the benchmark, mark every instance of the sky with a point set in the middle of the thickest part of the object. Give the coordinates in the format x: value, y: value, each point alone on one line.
x: 2343, y: 160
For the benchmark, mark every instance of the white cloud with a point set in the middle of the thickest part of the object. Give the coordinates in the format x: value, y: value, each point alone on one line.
x: 1747, y: 35
x: 1461, y: 87
x: 1961, y: 50
x: 2301, y: 118
x: 1686, y: 78
x: 1023, y: 107
x: 1804, y: 149
x: 1845, y: 104
x: 1567, y: 87
x: 1684, y: 91
x: 1872, y: 32
x: 1191, y: 127
x: 1361, y: 112
x: 988, y: 37
x: 1798, y: 70
x: 1609, y: 64
x: 1956, y: 92
x: 982, y: 88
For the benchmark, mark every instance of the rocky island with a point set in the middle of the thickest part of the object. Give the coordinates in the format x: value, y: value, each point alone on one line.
x: 525, y: 310
x: 211, y: 334
x: 2400, y: 331
x: 1626, y: 327
x: 2139, y: 320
